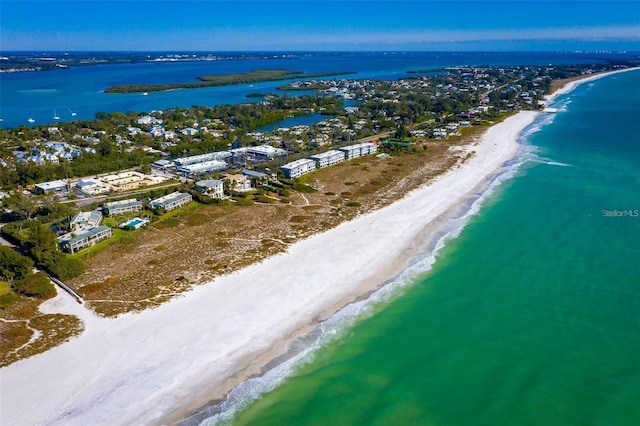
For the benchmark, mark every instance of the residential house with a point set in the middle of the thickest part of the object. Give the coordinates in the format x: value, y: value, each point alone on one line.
x: 85, y: 220
x: 211, y: 188
x: 257, y: 178
x: 239, y: 183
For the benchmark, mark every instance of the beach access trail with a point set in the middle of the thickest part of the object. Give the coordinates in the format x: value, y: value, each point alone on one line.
x: 141, y: 368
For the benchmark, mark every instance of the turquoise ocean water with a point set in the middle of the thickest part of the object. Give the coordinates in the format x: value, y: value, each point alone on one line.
x: 531, y: 316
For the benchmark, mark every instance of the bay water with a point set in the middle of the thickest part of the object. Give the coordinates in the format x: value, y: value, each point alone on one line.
x: 78, y: 92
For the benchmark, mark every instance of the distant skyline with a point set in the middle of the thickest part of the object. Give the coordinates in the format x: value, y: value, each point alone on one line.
x: 319, y: 25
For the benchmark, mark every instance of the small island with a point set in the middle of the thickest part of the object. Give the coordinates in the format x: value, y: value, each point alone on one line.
x: 255, y: 76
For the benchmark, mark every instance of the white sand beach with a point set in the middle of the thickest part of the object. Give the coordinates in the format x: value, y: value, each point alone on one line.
x: 144, y: 368
x: 585, y: 79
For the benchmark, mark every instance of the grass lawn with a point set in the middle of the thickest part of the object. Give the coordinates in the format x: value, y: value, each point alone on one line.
x: 5, y: 288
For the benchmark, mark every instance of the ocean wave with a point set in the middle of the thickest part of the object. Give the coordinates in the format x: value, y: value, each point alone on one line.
x: 551, y: 162
x: 304, y: 348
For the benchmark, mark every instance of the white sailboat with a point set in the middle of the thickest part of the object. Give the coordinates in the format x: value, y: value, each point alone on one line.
x: 73, y: 113
x: 31, y: 120
x: 55, y: 115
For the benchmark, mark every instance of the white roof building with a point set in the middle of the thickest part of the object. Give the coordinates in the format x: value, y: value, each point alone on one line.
x: 266, y: 152
x: 84, y: 220
x: 329, y: 158
x: 56, y: 186
x: 358, y: 150
x: 202, y: 168
x: 115, y: 208
x: 298, y: 168
x: 172, y: 201
x: 211, y: 187
x: 195, y: 159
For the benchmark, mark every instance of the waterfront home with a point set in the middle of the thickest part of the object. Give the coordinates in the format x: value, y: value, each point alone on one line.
x: 358, y: 150
x: 116, y: 208
x: 171, y: 201
x: 257, y: 178
x: 328, y: 158
x: 53, y: 187
x: 239, y: 183
x: 85, y: 220
x: 74, y: 241
x: 148, y: 120
x: 211, y: 188
x: 298, y: 168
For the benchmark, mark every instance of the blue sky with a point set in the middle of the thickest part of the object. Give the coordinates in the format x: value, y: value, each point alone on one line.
x: 319, y: 25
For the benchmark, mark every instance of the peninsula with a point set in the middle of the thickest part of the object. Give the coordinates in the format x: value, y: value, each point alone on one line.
x: 255, y: 76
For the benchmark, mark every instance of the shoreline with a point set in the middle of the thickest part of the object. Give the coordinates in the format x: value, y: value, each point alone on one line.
x: 425, y: 243
x: 226, y: 331
x: 140, y: 368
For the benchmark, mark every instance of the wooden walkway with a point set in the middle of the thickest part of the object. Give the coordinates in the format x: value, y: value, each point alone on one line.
x: 66, y: 288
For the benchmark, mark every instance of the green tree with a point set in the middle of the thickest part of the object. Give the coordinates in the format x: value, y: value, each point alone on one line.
x: 401, y: 132
x: 66, y: 267
x: 37, y: 285
x: 21, y: 205
x: 14, y: 266
x: 42, y: 244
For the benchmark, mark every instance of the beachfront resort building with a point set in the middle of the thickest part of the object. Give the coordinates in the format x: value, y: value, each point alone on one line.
x: 358, y: 150
x: 211, y: 188
x: 328, y: 158
x: 85, y: 220
x: 171, y: 201
x: 116, y: 208
x: 74, y: 241
x: 53, y: 187
x: 298, y: 168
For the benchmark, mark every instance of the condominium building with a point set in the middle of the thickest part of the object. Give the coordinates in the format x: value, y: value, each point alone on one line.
x: 298, y: 168
x: 171, y: 201
x: 328, y: 158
